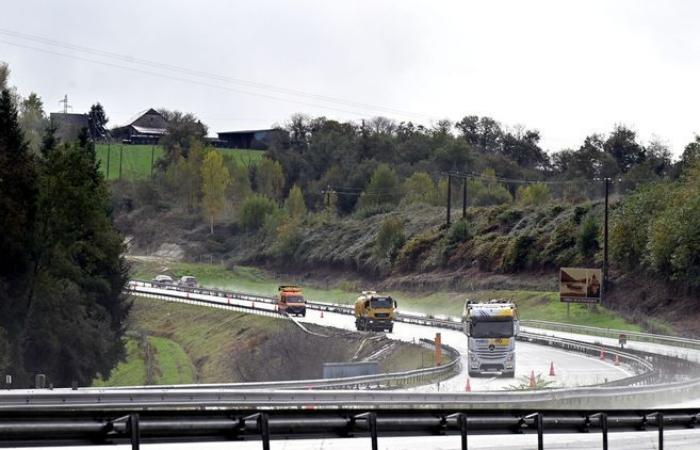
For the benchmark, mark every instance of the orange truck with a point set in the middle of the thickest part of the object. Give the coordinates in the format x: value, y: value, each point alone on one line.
x: 290, y: 300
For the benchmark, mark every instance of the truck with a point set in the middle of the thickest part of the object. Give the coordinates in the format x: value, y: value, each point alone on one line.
x: 491, y: 329
x: 374, y: 312
x: 290, y: 300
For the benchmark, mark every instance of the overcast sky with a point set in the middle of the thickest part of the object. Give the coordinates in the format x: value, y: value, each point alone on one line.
x: 566, y: 68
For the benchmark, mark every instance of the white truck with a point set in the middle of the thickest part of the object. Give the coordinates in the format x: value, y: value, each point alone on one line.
x: 491, y: 329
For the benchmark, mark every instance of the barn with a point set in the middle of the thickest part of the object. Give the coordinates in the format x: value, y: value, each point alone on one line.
x: 147, y: 127
x: 255, y: 139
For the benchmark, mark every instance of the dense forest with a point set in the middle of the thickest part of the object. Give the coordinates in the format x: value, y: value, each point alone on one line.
x: 62, y: 309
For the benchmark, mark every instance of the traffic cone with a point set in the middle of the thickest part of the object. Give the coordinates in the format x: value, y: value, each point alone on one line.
x: 602, y: 354
x: 551, y: 369
x: 468, y: 387
x: 321, y: 314
x: 617, y: 360
x: 533, y: 383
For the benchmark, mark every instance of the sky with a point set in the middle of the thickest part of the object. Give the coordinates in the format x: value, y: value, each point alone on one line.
x: 565, y: 68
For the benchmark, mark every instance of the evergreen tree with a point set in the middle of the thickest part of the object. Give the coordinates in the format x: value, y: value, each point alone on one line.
x: 97, y: 120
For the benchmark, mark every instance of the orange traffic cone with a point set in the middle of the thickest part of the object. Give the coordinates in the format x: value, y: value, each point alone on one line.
x: 617, y: 360
x: 321, y: 314
x: 551, y: 369
x: 533, y: 383
x: 602, y: 354
x: 468, y: 387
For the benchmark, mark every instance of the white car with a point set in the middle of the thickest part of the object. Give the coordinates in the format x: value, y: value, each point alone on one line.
x: 163, y: 281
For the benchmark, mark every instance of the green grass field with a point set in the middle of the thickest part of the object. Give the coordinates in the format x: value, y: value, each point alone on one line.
x: 136, y: 160
x: 531, y: 304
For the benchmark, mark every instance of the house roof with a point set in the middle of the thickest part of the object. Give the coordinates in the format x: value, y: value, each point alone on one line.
x: 146, y: 130
x: 139, y: 115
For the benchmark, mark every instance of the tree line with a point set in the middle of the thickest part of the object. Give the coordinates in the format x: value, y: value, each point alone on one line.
x: 62, y: 310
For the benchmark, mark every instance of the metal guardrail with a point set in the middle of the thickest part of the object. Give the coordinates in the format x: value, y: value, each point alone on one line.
x: 172, y: 425
x: 614, y: 333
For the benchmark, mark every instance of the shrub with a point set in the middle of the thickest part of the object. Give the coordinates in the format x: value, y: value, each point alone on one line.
x: 255, y: 211
x: 459, y: 232
x: 289, y: 236
x: 533, y: 194
x: 419, y: 188
x: 390, y: 238
x: 516, y: 254
x: 416, y: 249
x: 587, y: 238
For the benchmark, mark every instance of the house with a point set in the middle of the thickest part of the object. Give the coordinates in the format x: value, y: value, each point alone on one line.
x: 146, y: 128
x: 255, y: 139
x: 69, y: 125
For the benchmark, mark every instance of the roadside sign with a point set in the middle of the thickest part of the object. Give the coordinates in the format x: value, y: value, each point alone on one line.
x: 579, y: 285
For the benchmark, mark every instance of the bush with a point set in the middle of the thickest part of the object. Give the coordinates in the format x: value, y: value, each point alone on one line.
x: 533, y: 194
x: 255, y: 211
x: 417, y: 249
x: 390, y: 238
x: 459, y: 232
x: 587, y: 238
x: 517, y: 252
x: 289, y: 237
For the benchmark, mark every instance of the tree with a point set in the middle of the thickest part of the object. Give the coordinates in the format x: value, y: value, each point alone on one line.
x: 97, y: 122
x: 269, y: 178
x: 383, y: 188
x: 239, y: 189
x: 18, y: 205
x: 691, y: 154
x: 295, y: 203
x: 184, y: 131
x: 419, y: 188
x: 4, y: 76
x: 622, y: 145
x: 215, y: 180
x: 33, y: 121
x: 256, y: 209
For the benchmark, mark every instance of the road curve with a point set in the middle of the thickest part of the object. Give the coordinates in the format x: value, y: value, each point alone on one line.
x: 571, y: 369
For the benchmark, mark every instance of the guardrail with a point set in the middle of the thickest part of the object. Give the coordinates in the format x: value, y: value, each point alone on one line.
x: 171, y: 425
x: 614, y: 333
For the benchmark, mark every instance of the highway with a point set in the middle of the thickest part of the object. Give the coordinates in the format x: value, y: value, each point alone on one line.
x: 571, y: 369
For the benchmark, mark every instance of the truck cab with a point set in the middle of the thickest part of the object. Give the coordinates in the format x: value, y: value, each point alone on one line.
x: 375, y: 312
x: 491, y: 329
x: 290, y: 300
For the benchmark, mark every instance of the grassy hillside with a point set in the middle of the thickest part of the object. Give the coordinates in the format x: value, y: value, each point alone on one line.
x: 532, y: 304
x: 171, y: 343
x: 136, y: 159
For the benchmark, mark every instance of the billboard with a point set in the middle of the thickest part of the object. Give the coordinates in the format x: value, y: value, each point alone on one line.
x: 579, y: 285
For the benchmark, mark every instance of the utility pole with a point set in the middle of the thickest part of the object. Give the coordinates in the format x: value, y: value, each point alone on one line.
x: 65, y: 104
x: 464, y: 197
x: 449, y: 198
x: 605, y: 236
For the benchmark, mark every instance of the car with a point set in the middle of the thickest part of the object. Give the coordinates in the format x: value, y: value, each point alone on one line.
x: 163, y: 281
x: 188, y: 281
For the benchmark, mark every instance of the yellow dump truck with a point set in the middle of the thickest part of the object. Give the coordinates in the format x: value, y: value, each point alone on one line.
x: 375, y: 312
x: 290, y: 300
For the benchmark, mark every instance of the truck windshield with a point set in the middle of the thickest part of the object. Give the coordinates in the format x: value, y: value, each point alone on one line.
x: 382, y: 302
x: 294, y: 298
x: 492, y: 329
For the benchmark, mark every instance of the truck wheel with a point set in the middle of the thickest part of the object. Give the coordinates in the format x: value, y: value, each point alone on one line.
x: 473, y: 373
x: 509, y: 374
x: 303, y: 314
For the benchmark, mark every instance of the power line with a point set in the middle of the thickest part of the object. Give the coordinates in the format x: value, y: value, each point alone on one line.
x: 207, y: 75
x: 185, y: 80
